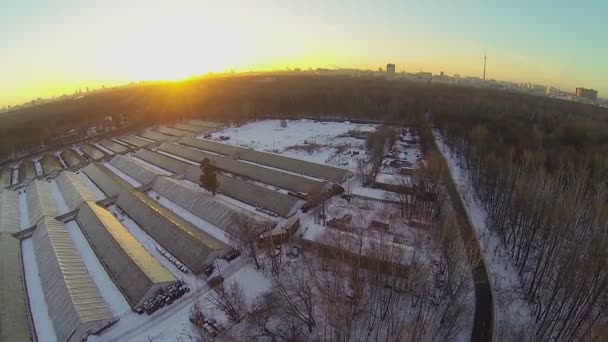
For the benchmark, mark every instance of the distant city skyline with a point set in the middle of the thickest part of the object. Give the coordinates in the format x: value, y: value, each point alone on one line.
x: 52, y: 48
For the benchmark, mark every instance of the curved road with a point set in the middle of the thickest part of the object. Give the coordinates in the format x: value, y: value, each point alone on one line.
x: 484, y: 305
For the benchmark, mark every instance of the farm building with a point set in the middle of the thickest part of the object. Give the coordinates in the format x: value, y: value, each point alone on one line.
x: 92, y: 152
x: 148, y: 134
x: 172, y: 131
x: 74, y: 191
x: 135, y: 141
x: 207, y: 124
x: 113, y: 146
x: 27, y: 171
x: 253, y: 194
x: 376, y: 195
x: 72, y: 159
x: 186, y: 242
x: 262, y: 174
x: 205, y: 206
x: 110, y: 185
x: 6, y: 177
x: 40, y: 202
x: 164, y: 162
x: 75, y: 305
x: 15, y: 324
x: 136, y: 170
x: 133, y: 269
x: 304, y: 167
x: 396, y: 183
x: 190, y: 128
x: 364, y: 250
x: 50, y: 164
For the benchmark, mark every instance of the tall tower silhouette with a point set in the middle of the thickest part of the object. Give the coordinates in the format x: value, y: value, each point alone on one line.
x: 484, y: 64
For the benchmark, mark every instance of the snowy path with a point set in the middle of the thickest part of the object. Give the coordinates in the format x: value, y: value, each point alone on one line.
x: 512, y: 313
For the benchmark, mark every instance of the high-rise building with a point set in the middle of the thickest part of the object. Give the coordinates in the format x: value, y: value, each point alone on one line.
x: 589, y: 94
x: 390, y: 69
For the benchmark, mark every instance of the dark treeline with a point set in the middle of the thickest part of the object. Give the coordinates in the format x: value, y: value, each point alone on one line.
x: 540, y: 168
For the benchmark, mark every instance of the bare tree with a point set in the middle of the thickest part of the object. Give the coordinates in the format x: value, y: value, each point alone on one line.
x: 231, y: 301
x: 246, y: 235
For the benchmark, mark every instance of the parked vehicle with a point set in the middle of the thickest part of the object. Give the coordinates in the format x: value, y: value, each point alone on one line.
x: 232, y: 254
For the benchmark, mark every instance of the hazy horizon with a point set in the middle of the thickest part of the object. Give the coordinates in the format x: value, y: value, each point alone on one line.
x: 54, y: 48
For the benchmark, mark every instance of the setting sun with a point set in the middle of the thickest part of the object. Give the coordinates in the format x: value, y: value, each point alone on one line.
x: 174, y: 47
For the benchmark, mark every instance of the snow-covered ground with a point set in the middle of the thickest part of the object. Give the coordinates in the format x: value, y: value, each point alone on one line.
x: 315, y: 141
x: 512, y: 313
x: 15, y: 176
x: 78, y: 150
x: 38, y: 167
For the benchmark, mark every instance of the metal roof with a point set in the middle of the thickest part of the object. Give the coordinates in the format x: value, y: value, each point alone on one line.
x: 164, y: 162
x: 205, y: 206
x: 148, y: 134
x: 134, y: 141
x: 187, y: 243
x: 134, y: 169
x: 205, y: 123
x: 273, y: 160
x: 15, y: 322
x: 114, y: 147
x: 75, y: 305
x: 6, y: 177
x: 172, y: 131
x: 71, y: 158
x: 50, y: 164
x: 40, y: 202
x: 190, y: 128
x: 74, y: 191
x: 253, y: 194
x: 262, y: 174
x: 134, y: 270
x: 244, y: 191
x: 27, y: 171
x: 92, y: 152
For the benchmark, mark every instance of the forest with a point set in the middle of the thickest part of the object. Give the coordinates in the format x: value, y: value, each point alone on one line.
x: 540, y: 165
x: 541, y: 172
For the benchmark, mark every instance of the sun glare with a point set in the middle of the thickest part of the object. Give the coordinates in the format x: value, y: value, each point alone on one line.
x: 175, y: 49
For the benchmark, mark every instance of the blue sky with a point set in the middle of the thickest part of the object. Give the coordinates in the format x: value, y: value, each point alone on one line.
x: 53, y: 47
